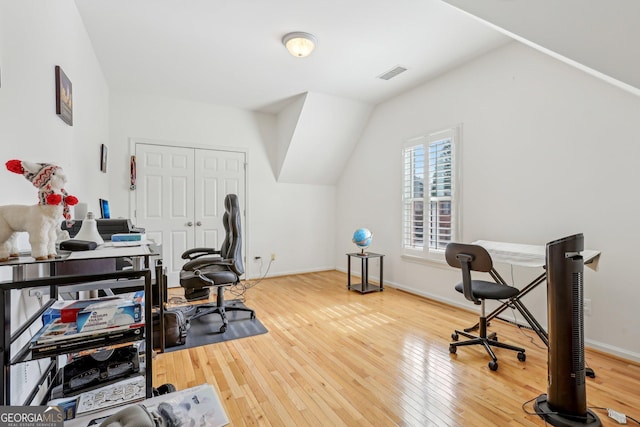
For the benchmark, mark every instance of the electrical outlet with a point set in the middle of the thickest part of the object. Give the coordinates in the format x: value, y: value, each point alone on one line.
x: 35, y: 292
x: 587, y: 306
x: 273, y: 257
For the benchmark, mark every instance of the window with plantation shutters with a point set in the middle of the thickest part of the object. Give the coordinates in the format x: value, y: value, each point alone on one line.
x: 429, y: 206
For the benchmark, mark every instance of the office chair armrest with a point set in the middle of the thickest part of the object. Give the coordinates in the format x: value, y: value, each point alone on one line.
x: 205, y: 262
x: 198, y: 252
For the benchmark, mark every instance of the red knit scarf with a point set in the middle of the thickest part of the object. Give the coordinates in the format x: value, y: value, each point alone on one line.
x: 45, y: 193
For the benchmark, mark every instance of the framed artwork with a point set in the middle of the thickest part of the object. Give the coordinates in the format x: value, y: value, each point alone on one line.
x: 64, y: 103
x: 103, y: 158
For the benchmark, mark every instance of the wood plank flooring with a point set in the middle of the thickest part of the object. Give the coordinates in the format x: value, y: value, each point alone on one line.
x: 337, y: 358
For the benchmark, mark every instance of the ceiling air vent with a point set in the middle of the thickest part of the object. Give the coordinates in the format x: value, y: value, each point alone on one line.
x: 392, y: 73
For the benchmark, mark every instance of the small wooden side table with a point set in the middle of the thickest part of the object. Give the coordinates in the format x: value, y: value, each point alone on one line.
x: 365, y: 286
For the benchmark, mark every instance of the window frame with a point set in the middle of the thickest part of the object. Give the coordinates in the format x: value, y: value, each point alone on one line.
x: 425, y: 140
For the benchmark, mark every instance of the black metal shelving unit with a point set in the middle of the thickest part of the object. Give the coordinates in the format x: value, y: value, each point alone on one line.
x: 141, y: 278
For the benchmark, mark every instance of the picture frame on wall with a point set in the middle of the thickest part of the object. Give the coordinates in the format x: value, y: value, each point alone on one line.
x: 103, y: 158
x: 64, y: 99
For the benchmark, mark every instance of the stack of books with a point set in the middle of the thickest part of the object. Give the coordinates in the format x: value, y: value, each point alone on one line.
x: 81, y: 325
x: 58, y: 337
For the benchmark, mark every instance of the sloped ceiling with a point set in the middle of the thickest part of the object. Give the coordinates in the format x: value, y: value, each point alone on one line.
x: 601, y: 37
x: 316, y: 135
x: 229, y: 52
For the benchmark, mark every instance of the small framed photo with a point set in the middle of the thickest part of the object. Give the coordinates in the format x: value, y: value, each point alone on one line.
x: 64, y: 101
x: 103, y: 158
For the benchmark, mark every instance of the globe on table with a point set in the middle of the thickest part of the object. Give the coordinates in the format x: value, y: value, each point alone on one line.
x: 362, y: 238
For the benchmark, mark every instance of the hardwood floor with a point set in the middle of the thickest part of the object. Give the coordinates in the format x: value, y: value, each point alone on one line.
x: 338, y: 358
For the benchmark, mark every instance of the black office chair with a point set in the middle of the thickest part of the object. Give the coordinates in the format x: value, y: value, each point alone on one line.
x: 476, y: 258
x: 219, y: 269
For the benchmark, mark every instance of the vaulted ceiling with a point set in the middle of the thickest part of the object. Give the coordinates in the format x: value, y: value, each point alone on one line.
x: 229, y: 52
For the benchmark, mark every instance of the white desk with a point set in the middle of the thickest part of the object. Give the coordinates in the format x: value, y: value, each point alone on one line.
x: 525, y: 255
x: 140, y: 254
x: 533, y: 256
x: 109, y: 251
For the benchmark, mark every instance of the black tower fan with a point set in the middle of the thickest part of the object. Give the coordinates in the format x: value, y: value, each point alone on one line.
x: 565, y: 404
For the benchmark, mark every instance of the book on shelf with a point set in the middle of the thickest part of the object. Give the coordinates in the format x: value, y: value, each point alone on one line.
x: 74, y: 344
x: 97, y: 313
x: 60, y: 331
x: 69, y: 312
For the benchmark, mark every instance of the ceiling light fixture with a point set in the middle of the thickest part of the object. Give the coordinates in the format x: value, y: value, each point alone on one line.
x: 299, y: 44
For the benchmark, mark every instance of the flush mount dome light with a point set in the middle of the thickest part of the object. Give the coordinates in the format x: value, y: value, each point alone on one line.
x: 299, y: 44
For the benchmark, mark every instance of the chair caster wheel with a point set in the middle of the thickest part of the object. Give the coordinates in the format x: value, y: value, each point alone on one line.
x: 454, y: 336
x: 521, y: 356
x: 493, y: 365
x: 452, y: 349
x: 223, y: 329
x: 590, y: 373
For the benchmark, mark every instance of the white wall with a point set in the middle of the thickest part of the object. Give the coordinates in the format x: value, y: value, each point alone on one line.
x: 548, y: 151
x: 34, y: 38
x: 294, y: 221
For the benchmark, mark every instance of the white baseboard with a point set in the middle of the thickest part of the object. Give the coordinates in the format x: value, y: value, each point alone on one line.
x: 613, y: 350
x: 292, y: 272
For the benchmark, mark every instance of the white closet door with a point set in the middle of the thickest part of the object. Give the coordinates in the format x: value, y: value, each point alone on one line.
x: 180, y: 198
x: 217, y: 173
x: 165, y: 201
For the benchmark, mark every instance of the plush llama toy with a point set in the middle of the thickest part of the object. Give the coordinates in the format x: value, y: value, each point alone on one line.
x: 41, y: 221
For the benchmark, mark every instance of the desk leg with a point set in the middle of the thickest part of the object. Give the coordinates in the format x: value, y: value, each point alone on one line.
x: 148, y: 338
x: 381, y: 271
x: 5, y: 346
x: 348, y: 272
x: 365, y: 274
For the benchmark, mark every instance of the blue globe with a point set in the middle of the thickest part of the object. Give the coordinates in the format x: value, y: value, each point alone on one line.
x: 362, y: 238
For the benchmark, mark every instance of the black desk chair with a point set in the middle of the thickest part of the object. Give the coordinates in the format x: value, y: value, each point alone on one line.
x: 219, y: 269
x: 476, y: 258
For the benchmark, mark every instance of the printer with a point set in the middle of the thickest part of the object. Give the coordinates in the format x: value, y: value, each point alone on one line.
x: 106, y: 227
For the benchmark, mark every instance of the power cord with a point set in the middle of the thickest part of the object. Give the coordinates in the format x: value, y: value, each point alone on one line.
x: 177, y: 300
x: 520, y: 327
x: 241, y: 288
x: 238, y: 290
x: 535, y: 413
x: 618, y: 416
x: 39, y: 295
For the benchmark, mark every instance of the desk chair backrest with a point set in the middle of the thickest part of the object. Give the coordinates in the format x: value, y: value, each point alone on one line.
x: 224, y: 248
x: 234, y: 234
x: 468, y: 258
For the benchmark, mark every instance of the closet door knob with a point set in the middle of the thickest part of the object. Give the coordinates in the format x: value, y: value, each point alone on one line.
x: 190, y: 224
x: 198, y: 223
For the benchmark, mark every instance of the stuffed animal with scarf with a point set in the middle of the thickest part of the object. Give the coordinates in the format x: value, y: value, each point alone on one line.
x: 41, y: 221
